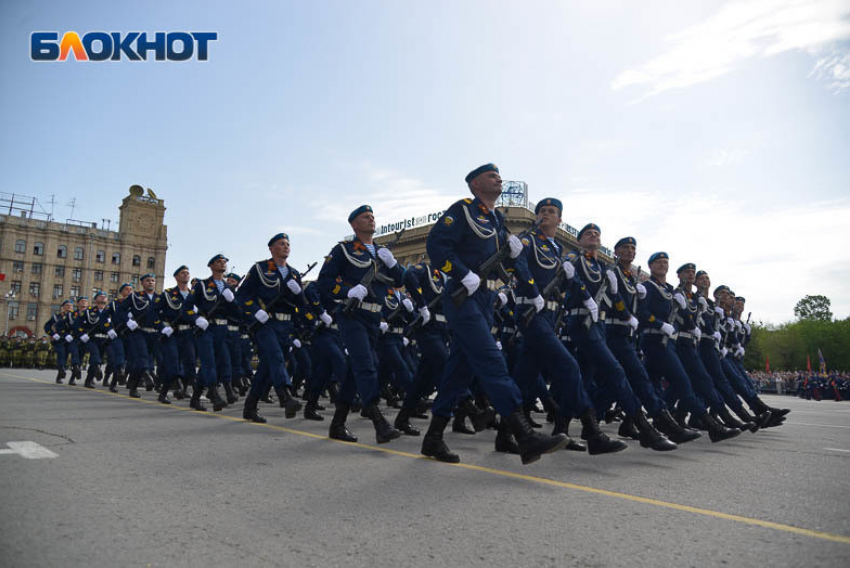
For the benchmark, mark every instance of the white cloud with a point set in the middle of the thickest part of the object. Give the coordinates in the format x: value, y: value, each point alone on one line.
x: 739, y: 31
x: 834, y: 70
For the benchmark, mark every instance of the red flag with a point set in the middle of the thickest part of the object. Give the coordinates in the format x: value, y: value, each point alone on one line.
x: 2, y: 277
x: 767, y: 363
x: 808, y: 364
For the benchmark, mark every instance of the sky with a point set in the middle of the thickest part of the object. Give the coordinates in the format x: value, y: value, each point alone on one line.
x: 715, y: 131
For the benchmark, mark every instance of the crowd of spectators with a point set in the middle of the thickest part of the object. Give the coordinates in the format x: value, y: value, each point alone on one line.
x: 834, y: 385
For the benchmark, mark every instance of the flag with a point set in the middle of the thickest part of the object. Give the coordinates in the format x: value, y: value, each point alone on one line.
x: 822, y: 369
x: 808, y: 364
x: 2, y: 277
x: 767, y: 363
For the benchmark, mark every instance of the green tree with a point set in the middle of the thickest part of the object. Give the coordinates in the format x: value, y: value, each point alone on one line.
x: 814, y: 308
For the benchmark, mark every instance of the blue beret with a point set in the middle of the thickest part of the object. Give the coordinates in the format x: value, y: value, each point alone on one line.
x: 588, y: 227
x: 549, y: 201
x: 279, y: 236
x: 234, y: 276
x: 360, y: 210
x: 82, y: 298
x: 67, y: 302
x: 99, y: 293
x: 148, y: 275
x: 721, y: 288
x: 686, y: 266
x: 657, y: 256
x: 740, y: 299
x: 179, y: 268
x: 700, y: 273
x: 217, y: 257
x: 480, y: 170
x: 124, y: 285
x: 625, y: 241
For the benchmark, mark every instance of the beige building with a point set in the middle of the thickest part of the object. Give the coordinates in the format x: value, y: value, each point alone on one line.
x: 45, y: 262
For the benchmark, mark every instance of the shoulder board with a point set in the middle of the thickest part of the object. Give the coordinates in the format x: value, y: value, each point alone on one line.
x: 571, y: 256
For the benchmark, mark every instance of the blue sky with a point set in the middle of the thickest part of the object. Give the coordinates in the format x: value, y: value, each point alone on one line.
x: 716, y: 131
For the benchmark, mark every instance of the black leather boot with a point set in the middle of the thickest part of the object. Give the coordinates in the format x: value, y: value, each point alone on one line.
x: 249, y: 410
x: 777, y: 414
x: 526, y: 409
x: 89, y: 382
x: 757, y: 421
x: 228, y: 392
x: 333, y: 392
x: 383, y: 431
x: 338, y: 431
x: 597, y: 441
x: 122, y: 375
x: 697, y: 423
x: 667, y: 425
x: 133, y: 384
x: 311, y: 409
x: 480, y: 417
x: 289, y: 405
x: 459, y: 422
x: 628, y: 430
x: 149, y: 384
x: 532, y: 444
x: 505, y: 441
x: 433, y: 445
x: 562, y: 426
x: 402, y: 422
x: 717, y: 432
x: 732, y: 422
x: 116, y: 376
x: 59, y: 376
x: 163, y: 394
x: 218, y: 403
x: 649, y: 436
x: 76, y: 373
x: 195, y: 401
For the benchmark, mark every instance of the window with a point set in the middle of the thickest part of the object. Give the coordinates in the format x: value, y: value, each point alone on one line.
x: 38, y: 249
x: 32, y: 311
x: 20, y: 246
x: 137, y: 260
x: 62, y: 252
x: 13, y: 310
x: 116, y: 258
x: 113, y: 277
x: 60, y: 272
x: 35, y: 289
x: 78, y: 253
x: 55, y: 308
x: 58, y: 291
x: 113, y: 292
x: 76, y: 274
x: 17, y: 266
x: 16, y: 287
x: 151, y: 262
x: 135, y: 281
x: 100, y: 257
x: 75, y: 291
x: 98, y: 275
x: 37, y: 267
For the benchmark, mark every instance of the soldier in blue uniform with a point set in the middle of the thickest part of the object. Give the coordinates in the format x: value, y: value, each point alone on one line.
x: 331, y: 363
x: 359, y: 317
x: 56, y: 328
x: 175, y: 332
x: 269, y: 297
x: 115, y: 324
x: 142, y: 311
x: 394, y: 372
x: 658, y: 342
x: 471, y: 231
x: 90, y: 327
x: 72, y: 341
x: 234, y: 341
x: 184, y: 332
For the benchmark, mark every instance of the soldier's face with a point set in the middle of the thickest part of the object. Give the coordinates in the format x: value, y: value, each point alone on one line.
x: 488, y: 184
x: 626, y: 253
x: 67, y: 308
x: 280, y: 248
x: 126, y: 291
x: 100, y: 302
x: 82, y: 305
x: 182, y: 276
x: 219, y: 265
x: 549, y: 217
x: 739, y: 307
x: 364, y: 223
x: 232, y: 282
x: 703, y: 282
x: 659, y: 268
x: 590, y: 239
x: 686, y: 276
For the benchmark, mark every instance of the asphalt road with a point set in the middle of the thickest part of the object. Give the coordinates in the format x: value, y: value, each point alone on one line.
x: 137, y: 483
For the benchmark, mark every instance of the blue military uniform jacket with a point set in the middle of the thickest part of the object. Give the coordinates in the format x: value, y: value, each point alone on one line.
x: 145, y: 310
x: 205, y: 300
x: 657, y: 307
x: 172, y: 311
x: 590, y: 275
x: 425, y: 285
x: 263, y: 285
x: 91, y: 320
x: 116, y: 316
x: 628, y: 294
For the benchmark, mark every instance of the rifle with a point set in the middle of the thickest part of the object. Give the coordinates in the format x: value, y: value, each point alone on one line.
x: 352, y: 303
x: 416, y: 323
x: 252, y: 327
x: 491, y: 264
x: 309, y: 268
x: 551, y: 289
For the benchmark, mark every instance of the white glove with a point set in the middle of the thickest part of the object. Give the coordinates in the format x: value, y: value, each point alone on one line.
x: 702, y: 303
x: 471, y: 282
x: 408, y: 305
x: 680, y: 299
x: 716, y: 335
x: 718, y: 310
x: 738, y: 325
x: 56, y: 337
x: 326, y: 318
x: 730, y: 324
x: 612, y: 281
x: 387, y: 257
x: 130, y: 315
x: 425, y: 313
x: 739, y: 352
x: 293, y: 286
x: 698, y: 333
x: 569, y: 269
x: 384, y: 326
x: 515, y: 245
x: 591, y: 306
x: 503, y: 300
x: 641, y: 290
x: 84, y: 338
x: 633, y: 323
x: 202, y: 322
x: 69, y: 338
x: 747, y: 327
x: 131, y: 323
x: 538, y: 303
x: 227, y: 295
x: 111, y: 334
x: 261, y: 315
x: 167, y: 331
x: 297, y: 343
x: 723, y: 352
x: 406, y: 341
x: 358, y: 292
x: 668, y: 329
x: 499, y: 345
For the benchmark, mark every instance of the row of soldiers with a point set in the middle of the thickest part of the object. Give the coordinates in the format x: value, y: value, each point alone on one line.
x: 28, y: 353
x: 494, y: 323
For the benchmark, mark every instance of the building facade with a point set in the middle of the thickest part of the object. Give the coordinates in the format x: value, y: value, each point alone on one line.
x: 44, y: 262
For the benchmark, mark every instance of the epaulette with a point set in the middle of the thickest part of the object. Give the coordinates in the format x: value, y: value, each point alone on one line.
x: 571, y: 256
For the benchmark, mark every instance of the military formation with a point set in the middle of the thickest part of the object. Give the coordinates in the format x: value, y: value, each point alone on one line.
x: 491, y: 326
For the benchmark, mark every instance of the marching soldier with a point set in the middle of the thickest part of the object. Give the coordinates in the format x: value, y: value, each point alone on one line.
x: 116, y: 316
x: 89, y: 326
x: 142, y: 313
x: 56, y: 328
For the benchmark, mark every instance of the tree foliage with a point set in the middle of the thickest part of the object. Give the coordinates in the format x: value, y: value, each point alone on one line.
x: 788, y: 345
x: 814, y: 308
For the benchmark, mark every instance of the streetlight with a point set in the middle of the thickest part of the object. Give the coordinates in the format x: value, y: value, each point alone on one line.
x: 8, y: 296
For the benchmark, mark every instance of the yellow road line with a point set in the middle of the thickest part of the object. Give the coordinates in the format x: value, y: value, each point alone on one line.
x: 541, y: 480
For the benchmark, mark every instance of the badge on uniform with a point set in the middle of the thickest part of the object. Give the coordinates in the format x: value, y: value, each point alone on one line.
x: 448, y: 220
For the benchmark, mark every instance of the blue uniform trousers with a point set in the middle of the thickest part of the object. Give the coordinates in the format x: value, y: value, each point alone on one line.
x: 331, y: 363
x: 187, y: 356
x: 117, y: 355
x: 393, y: 366
x: 711, y: 361
x: 473, y: 352
x: 360, y: 337
x: 739, y: 384
x: 170, y: 359
x: 623, y: 349
x: 61, y: 354
x: 701, y: 381
x: 74, y: 351
x: 95, y: 347
x: 662, y: 361
x: 234, y: 345
x: 246, y: 349
x: 432, y: 339
x: 542, y: 351
x: 273, y: 342
x: 140, y: 355
x: 214, y: 355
